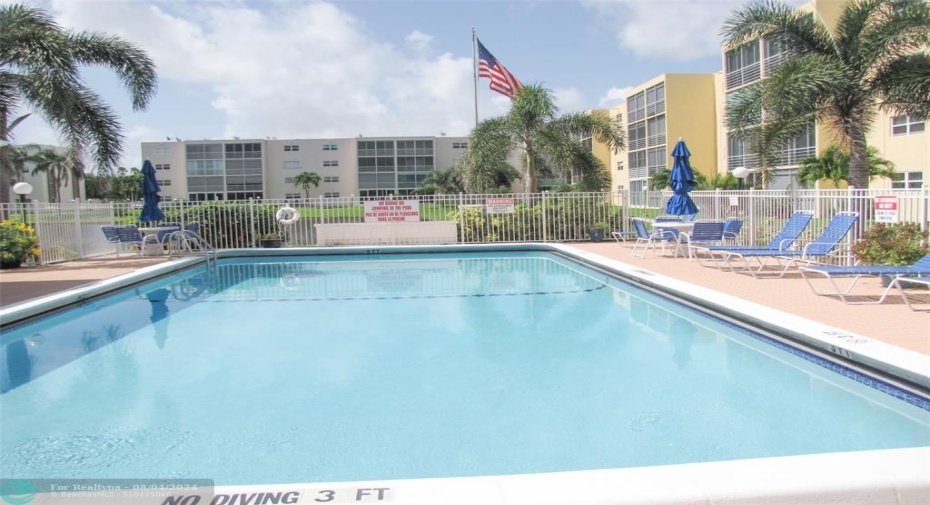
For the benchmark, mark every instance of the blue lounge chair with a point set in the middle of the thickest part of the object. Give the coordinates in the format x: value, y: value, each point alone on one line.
x: 784, y: 240
x: 921, y: 267
x: 652, y: 238
x: 904, y: 282
x: 822, y: 246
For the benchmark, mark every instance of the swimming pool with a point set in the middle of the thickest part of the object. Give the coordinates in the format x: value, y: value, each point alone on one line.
x: 406, y: 366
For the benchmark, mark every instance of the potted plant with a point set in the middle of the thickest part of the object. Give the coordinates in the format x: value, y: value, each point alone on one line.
x: 18, y: 243
x: 272, y: 240
x: 891, y: 244
x: 597, y: 231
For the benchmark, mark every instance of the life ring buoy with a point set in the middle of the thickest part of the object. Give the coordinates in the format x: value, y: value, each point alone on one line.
x: 287, y: 215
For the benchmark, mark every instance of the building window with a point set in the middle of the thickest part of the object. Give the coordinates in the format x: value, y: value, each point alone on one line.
x: 331, y: 179
x: 330, y: 163
x: 288, y: 180
x: 906, y: 125
x: 291, y: 148
x: 290, y: 196
x: 292, y: 164
x: 743, y: 65
x: 331, y: 195
x: 460, y: 145
x: 330, y: 147
x: 164, y: 182
x: 165, y: 166
x: 636, y: 107
x: 162, y: 151
x: 907, y: 180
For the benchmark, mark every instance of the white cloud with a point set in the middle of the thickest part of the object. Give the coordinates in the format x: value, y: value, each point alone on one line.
x: 418, y: 40
x: 614, y: 96
x: 678, y: 30
x: 569, y: 100
x: 291, y: 69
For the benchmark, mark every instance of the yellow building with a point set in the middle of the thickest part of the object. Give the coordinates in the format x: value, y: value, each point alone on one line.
x: 901, y: 140
x: 655, y: 115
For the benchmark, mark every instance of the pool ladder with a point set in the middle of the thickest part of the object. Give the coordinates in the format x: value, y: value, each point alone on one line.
x: 191, y: 242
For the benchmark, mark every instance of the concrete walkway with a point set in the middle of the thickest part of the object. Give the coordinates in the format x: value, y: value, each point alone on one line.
x: 24, y: 283
x: 890, y: 322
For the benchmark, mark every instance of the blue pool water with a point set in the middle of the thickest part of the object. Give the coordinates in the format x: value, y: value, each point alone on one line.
x: 354, y: 368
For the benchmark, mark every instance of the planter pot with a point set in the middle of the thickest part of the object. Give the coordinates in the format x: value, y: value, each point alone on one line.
x: 596, y: 235
x: 10, y: 264
x: 273, y: 243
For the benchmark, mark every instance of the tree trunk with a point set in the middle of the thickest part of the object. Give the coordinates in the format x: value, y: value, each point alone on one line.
x: 530, y: 186
x: 858, y: 162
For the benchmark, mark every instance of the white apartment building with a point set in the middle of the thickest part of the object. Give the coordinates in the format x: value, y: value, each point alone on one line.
x: 239, y: 169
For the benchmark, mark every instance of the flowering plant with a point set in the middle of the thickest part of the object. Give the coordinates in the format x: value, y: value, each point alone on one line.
x: 891, y: 244
x: 18, y: 241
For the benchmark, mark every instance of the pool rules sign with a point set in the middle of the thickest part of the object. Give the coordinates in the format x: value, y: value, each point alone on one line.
x: 886, y: 209
x: 392, y: 211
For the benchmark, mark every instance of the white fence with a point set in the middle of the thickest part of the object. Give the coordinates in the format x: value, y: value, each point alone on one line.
x: 70, y: 231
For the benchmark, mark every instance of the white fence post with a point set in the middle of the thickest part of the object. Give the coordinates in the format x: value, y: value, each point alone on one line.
x: 78, y: 226
x: 752, y: 215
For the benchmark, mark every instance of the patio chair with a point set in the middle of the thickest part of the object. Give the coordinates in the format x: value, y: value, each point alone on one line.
x: 821, y: 247
x: 831, y: 273
x: 622, y: 236
x: 133, y: 238
x: 649, y: 239
x: 703, y: 233
x: 109, y: 232
x: 672, y: 219
x: 903, y: 283
x: 786, y: 239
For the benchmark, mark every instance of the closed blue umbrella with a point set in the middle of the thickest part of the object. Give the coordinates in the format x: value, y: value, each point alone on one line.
x: 681, y: 179
x: 150, y: 198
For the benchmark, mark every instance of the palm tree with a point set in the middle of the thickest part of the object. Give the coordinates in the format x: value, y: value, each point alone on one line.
x: 56, y: 166
x: 40, y: 69
x: 440, y: 182
x: 875, y: 56
x: 546, y: 141
x: 305, y: 180
x: 833, y: 165
x: 660, y: 180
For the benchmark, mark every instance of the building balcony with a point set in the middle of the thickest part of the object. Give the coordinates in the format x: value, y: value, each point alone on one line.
x: 743, y: 76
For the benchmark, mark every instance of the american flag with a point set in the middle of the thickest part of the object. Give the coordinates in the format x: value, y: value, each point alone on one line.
x: 502, y: 80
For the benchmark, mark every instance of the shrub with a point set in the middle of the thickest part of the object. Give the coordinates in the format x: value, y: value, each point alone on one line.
x: 891, y: 244
x: 18, y: 242
x: 228, y: 225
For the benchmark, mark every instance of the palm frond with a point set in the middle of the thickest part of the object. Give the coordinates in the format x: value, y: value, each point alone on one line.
x: 533, y: 106
x: 890, y: 30
x: 744, y: 109
x: 903, y: 85
x: 804, y: 85
x: 600, y: 127
x: 779, y: 22
x: 131, y: 64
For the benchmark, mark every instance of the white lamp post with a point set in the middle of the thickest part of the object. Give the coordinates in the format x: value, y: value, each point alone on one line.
x: 740, y: 173
x: 22, y: 189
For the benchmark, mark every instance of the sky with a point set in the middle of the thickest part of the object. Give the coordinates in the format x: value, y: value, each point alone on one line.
x: 337, y: 69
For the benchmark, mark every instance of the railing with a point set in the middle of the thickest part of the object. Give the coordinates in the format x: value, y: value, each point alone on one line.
x: 70, y: 231
x: 748, y: 74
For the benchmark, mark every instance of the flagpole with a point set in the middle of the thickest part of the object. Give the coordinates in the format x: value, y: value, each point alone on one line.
x: 474, y: 68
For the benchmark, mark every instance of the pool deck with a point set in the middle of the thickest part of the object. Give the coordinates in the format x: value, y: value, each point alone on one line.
x: 891, y: 322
